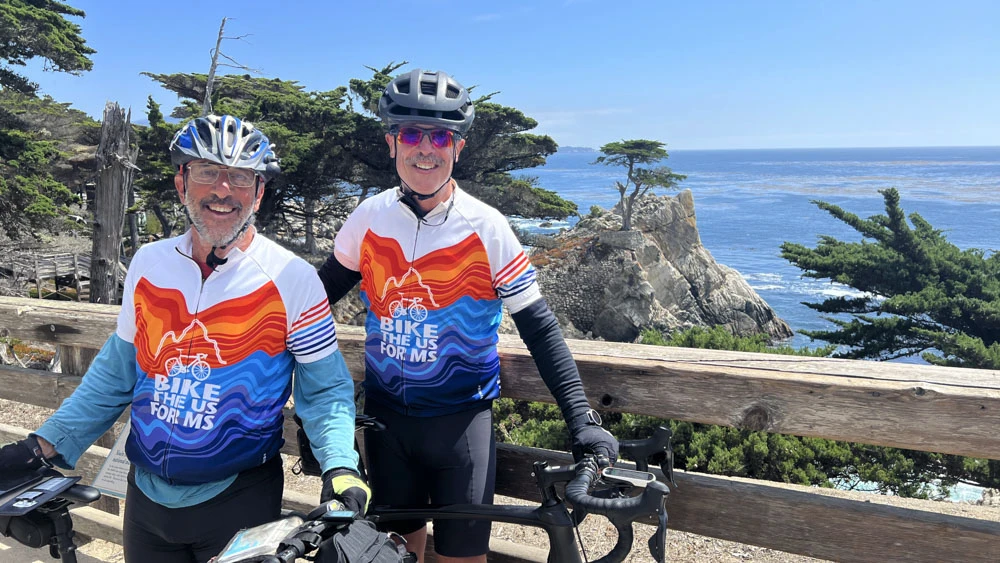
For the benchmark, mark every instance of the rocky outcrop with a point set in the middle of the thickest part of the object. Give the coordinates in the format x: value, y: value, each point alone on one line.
x: 613, y: 283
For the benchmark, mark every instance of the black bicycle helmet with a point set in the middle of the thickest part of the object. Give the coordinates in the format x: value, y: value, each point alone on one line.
x: 226, y: 140
x: 427, y: 98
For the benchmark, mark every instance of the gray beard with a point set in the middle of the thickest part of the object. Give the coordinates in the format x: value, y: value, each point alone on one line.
x: 217, y: 239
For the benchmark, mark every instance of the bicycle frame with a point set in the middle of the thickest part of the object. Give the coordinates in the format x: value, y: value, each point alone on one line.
x: 552, y: 515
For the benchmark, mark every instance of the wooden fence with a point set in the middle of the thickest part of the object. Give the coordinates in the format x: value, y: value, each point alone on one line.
x: 927, y: 408
x: 50, y: 274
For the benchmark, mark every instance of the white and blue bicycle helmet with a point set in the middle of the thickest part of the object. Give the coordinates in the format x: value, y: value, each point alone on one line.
x: 225, y: 140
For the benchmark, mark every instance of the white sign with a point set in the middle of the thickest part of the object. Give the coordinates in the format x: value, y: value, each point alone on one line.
x: 112, y: 479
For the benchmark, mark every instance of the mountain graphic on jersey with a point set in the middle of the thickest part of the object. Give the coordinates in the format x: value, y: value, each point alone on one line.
x: 439, y: 278
x: 431, y: 323
x: 206, y: 380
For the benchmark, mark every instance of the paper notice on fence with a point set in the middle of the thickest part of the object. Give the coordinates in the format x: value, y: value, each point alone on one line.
x: 112, y: 479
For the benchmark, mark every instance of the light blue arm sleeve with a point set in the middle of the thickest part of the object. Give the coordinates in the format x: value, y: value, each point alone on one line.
x: 104, y: 393
x: 324, y: 400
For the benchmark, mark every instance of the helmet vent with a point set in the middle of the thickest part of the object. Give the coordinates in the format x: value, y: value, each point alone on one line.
x: 429, y: 88
x: 452, y: 92
x: 403, y: 86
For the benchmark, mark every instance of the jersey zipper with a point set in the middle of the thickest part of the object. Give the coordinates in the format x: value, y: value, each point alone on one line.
x: 197, y: 311
x: 402, y: 361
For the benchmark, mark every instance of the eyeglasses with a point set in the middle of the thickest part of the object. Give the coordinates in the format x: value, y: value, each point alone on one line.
x: 412, y: 136
x: 209, y: 174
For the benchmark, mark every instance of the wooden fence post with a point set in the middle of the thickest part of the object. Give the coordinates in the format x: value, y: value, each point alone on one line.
x: 75, y: 361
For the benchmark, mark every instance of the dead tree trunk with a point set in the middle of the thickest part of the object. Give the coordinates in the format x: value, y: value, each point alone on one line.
x: 115, y: 169
x: 206, y: 106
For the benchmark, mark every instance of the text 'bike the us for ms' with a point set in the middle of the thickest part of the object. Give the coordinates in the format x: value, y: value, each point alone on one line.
x: 329, y: 534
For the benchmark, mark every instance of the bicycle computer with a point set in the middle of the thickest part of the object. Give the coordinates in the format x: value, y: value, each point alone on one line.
x: 35, y: 490
x: 627, y: 476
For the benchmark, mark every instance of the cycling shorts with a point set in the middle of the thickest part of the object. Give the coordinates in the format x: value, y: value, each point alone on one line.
x: 154, y: 533
x: 448, y: 459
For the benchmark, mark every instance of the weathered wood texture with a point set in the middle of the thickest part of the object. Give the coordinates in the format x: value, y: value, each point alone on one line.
x: 795, y: 519
x: 947, y: 410
x: 116, y: 168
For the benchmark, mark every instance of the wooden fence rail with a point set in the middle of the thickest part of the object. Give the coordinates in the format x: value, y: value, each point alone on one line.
x: 928, y: 408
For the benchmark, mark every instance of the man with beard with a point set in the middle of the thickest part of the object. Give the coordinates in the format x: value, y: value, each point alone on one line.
x: 436, y: 267
x: 211, y: 326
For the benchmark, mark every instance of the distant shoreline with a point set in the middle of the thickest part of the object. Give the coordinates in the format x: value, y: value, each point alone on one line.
x: 587, y: 150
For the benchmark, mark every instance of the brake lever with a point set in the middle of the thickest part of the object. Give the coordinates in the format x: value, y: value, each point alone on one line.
x: 658, y: 541
x: 658, y: 448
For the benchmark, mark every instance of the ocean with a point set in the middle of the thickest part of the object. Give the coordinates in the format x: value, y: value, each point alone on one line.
x: 748, y: 202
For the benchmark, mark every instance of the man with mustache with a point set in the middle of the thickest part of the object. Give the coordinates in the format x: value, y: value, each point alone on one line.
x: 436, y: 267
x: 212, y: 324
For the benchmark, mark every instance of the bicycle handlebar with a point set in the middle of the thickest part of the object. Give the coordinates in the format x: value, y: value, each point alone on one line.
x: 621, y: 512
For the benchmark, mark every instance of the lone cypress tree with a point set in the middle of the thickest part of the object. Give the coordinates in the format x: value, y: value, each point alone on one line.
x: 921, y: 294
x: 632, y: 154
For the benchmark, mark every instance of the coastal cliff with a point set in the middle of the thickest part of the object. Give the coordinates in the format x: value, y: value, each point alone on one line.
x: 613, y: 284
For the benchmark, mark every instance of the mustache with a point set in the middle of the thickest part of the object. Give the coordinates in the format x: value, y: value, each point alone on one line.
x: 434, y: 159
x: 228, y: 200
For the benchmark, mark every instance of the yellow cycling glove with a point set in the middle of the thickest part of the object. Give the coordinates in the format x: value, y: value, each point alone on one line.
x: 348, y: 487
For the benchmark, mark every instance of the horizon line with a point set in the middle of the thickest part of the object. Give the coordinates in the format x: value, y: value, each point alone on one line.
x: 811, y: 148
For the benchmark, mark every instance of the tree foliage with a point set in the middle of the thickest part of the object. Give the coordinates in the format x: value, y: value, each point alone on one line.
x: 310, y: 131
x: 44, y: 147
x: 39, y: 29
x: 155, y: 178
x: 920, y: 294
x: 632, y: 154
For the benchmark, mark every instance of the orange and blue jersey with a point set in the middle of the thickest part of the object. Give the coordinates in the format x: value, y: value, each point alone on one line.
x: 207, y: 367
x: 434, y: 289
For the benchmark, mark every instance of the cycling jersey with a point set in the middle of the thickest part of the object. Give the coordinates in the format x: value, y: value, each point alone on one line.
x: 434, y: 288
x: 212, y: 366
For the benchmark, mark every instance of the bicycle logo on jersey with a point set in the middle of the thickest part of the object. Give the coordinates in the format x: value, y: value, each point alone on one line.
x: 184, y: 363
x: 415, y: 310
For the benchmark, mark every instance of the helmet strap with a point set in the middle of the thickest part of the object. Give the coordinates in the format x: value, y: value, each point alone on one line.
x: 213, y: 259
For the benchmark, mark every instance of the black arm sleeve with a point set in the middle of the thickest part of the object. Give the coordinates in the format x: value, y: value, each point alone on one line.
x: 540, y: 332
x: 337, y: 278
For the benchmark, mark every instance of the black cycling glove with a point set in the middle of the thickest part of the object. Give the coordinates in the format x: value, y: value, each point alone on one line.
x: 588, y: 437
x: 23, y: 455
x: 348, y: 487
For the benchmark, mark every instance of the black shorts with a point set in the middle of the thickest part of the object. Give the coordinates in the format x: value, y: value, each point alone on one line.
x: 154, y: 533
x: 448, y: 459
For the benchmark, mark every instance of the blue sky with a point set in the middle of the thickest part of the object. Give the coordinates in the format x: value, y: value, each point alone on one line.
x: 694, y: 75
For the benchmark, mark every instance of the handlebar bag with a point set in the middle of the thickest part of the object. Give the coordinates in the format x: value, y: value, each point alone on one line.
x: 362, y: 543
